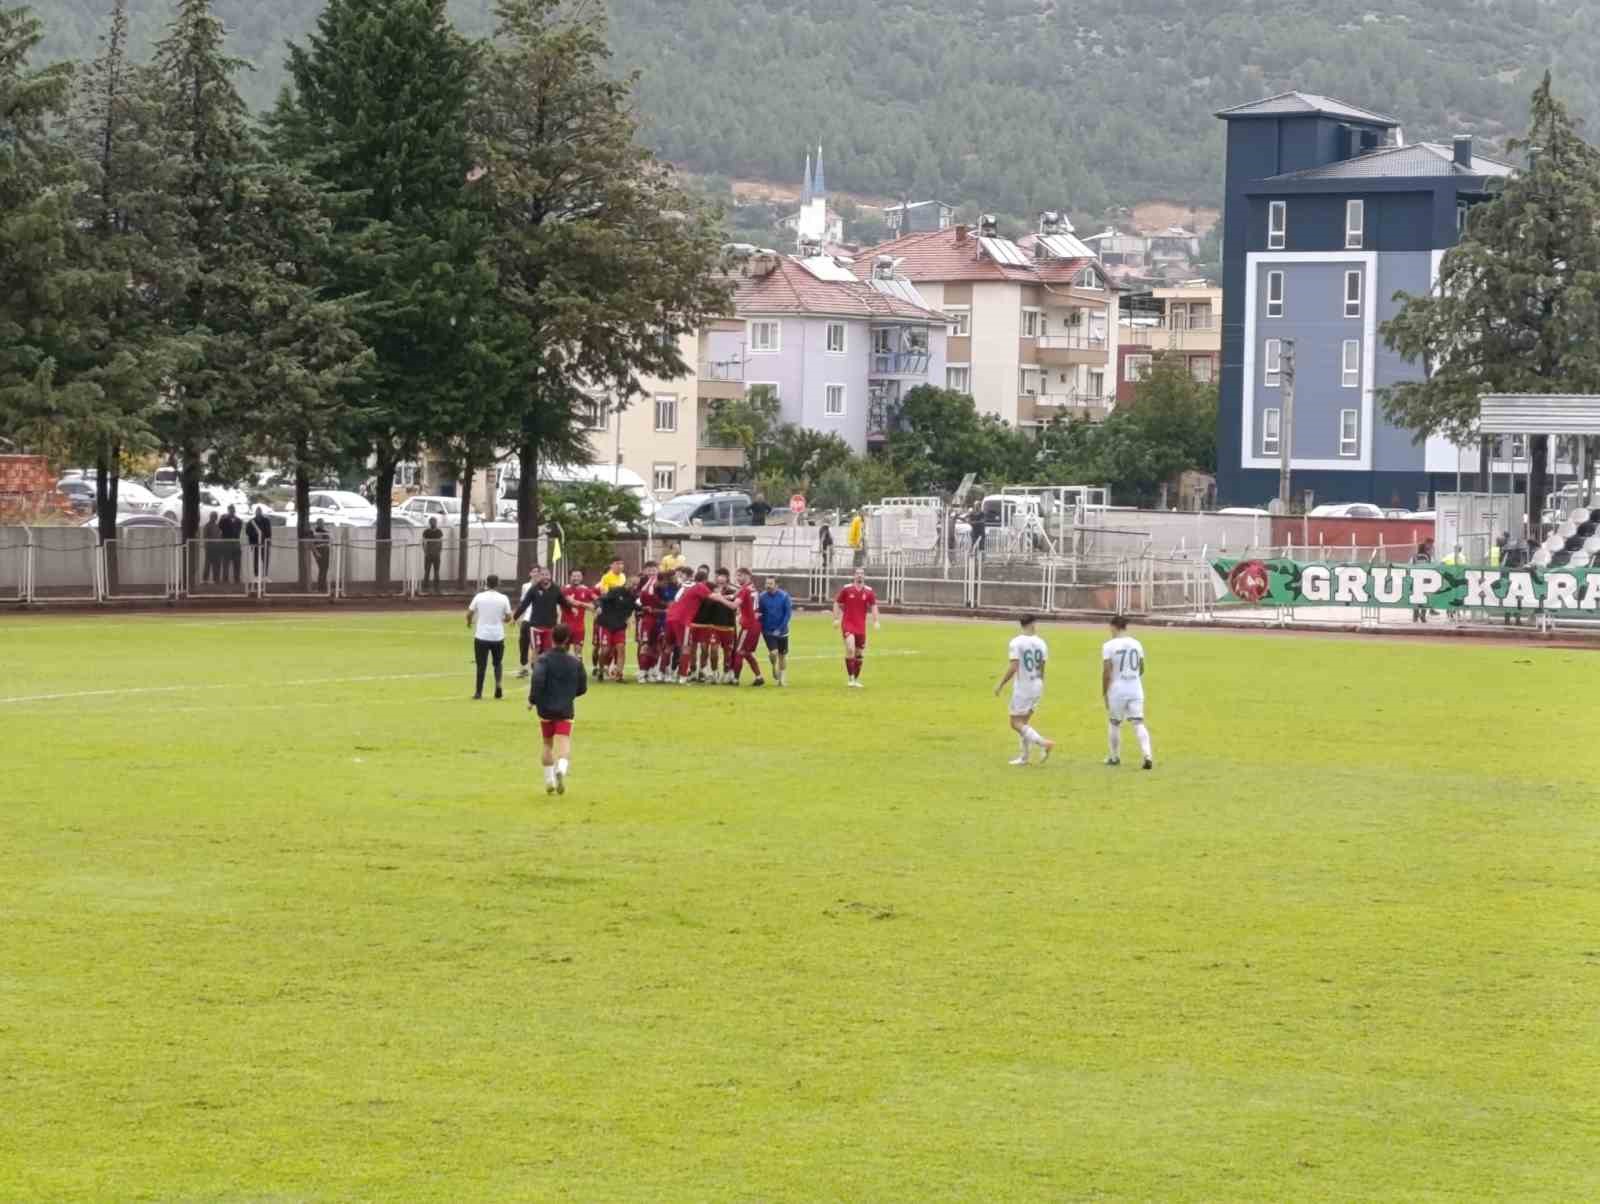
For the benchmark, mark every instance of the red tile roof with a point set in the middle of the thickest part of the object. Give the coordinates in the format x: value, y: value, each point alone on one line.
x: 792, y: 289
x: 936, y: 255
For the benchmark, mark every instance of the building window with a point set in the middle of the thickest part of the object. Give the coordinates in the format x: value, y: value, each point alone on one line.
x: 1274, y: 294
x: 1030, y: 323
x: 1350, y: 365
x: 1136, y: 368
x: 1200, y: 368
x: 882, y: 341
x: 1272, y: 363
x: 596, y: 415
x: 1355, y: 220
x: 664, y: 477
x: 835, y: 338
x: 1090, y: 279
x: 765, y: 337
x: 666, y: 412
x: 958, y: 379
x: 960, y: 321
x: 1028, y: 383
x: 1461, y: 218
x: 1269, y: 432
x: 1349, y: 433
x: 833, y: 401
x: 1352, y: 294
x: 1097, y: 384
x: 1277, y: 225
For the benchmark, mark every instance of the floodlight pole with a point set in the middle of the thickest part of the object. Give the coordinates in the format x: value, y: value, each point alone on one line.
x: 1286, y: 421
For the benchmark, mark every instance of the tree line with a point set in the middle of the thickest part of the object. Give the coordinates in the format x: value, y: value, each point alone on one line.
x: 429, y: 241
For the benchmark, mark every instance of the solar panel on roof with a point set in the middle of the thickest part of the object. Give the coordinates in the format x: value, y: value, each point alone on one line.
x: 823, y: 267
x: 1003, y: 250
x: 1065, y: 246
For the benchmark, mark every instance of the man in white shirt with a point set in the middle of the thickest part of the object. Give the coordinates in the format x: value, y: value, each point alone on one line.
x: 1026, y: 670
x: 486, y: 615
x: 1122, y: 687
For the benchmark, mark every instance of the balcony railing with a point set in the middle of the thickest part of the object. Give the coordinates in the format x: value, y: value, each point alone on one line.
x: 899, y: 363
x: 1072, y: 342
x: 1072, y: 400
x: 732, y: 369
x: 711, y: 440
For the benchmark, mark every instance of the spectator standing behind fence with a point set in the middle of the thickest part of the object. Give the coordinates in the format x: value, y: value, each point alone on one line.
x: 259, y: 531
x: 212, y: 538
x: 858, y: 540
x: 432, y: 553
x: 320, y: 543
x: 1424, y: 555
x: 825, y: 546
x: 979, y: 527
x: 486, y: 615
x: 759, y: 509
x: 230, y: 555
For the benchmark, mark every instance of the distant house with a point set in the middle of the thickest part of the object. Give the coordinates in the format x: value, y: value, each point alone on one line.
x: 1033, y: 324
x: 919, y: 217
x: 837, y: 350
x: 1183, y: 320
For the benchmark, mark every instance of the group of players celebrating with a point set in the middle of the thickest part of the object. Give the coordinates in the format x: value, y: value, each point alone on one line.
x: 688, y: 625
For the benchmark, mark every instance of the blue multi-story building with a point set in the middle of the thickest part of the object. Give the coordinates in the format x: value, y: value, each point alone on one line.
x: 1328, y: 213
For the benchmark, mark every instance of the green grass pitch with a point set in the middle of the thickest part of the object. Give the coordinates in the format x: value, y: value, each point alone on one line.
x: 286, y: 917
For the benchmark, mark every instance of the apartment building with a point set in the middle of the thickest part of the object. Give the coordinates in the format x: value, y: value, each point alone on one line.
x: 836, y: 349
x: 654, y: 433
x: 1033, y: 327
x: 1183, y: 321
x: 1328, y: 214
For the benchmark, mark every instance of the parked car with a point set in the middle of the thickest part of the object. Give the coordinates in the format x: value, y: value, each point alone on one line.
x: 1248, y: 511
x: 124, y: 521
x: 720, y: 509
x: 214, y: 499
x: 446, y: 509
x: 78, y: 492
x: 1347, y: 510
x: 165, y: 482
x: 132, y: 497
x: 341, y: 504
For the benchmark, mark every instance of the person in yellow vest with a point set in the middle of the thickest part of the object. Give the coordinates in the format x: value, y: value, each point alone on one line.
x: 1497, y: 550
x: 673, y: 560
x: 614, y: 577
x: 854, y: 538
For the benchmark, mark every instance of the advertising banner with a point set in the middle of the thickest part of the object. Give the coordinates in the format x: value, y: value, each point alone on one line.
x: 1435, y: 586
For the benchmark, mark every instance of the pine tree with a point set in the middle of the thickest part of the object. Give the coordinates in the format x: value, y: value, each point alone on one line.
x: 1516, y: 309
x: 35, y: 223
x: 378, y: 116
x: 603, y: 261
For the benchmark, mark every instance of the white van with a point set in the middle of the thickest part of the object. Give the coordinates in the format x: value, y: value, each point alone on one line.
x: 610, y: 474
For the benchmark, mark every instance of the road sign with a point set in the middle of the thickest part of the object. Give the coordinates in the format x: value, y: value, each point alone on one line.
x: 797, y: 504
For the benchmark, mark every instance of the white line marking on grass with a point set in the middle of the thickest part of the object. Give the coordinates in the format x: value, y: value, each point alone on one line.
x: 305, y: 681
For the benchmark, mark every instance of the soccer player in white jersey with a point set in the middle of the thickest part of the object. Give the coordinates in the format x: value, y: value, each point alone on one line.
x: 1026, y: 671
x: 1122, y: 687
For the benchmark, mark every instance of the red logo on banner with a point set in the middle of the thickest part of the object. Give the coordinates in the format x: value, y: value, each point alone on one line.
x: 1248, y: 580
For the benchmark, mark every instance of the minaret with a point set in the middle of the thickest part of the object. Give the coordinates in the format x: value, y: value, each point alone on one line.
x: 805, y: 188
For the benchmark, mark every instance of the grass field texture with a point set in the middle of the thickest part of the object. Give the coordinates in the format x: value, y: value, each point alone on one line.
x: 287, y: 917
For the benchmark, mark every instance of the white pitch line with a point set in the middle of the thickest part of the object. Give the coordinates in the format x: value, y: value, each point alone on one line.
x: 306, y: 681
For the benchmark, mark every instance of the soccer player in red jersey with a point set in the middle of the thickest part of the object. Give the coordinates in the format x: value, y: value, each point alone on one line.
x: 724, y: 635
x: 680, y: 615
x: 576, y: 602
x: 749, y: 630
x: 851, y: 608
x: 648, y: 629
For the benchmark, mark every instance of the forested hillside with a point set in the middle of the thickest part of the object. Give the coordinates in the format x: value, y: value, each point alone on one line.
x: 1012, y: 104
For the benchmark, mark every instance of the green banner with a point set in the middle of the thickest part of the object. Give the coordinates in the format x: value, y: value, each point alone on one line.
x: 1435, y: 586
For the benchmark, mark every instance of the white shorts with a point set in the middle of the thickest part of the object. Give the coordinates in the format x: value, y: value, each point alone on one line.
x: 1024, y: 702
x: 1126, y: 703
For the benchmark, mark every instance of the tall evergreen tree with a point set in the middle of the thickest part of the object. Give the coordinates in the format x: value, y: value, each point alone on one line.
x: 602, y: 260
x: 1517, y: 309
x: 35, y: 223
x: 378, y: 116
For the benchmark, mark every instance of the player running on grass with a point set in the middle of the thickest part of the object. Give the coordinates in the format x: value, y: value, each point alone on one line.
x: 558, y: 682
x: 1122, y: 687
x: 1028, y: 655
x: 854, y: 603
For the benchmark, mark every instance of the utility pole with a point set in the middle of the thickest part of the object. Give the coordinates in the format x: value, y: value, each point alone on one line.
x: 1286, y: 421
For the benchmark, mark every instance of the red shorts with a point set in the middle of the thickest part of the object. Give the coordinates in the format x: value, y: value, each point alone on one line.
x: 700, y: 633
x: 677, y: 634
x: 577, y: 634
x: 749, y: 640
x: 555, y: 727
x: 860, y: 638
x: 648, y: 630
x: 607, y: 638
x: 724, y: 637
x: 543, y: 638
